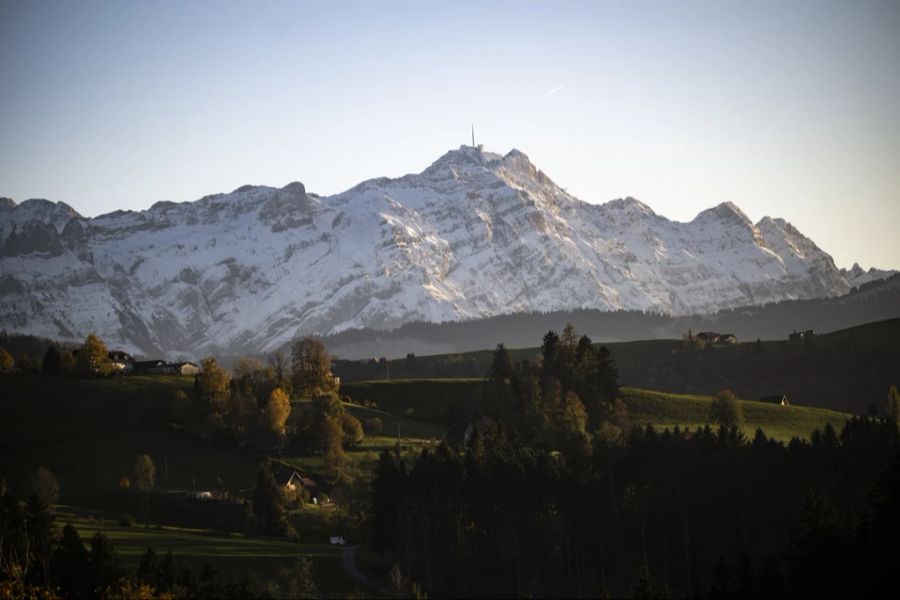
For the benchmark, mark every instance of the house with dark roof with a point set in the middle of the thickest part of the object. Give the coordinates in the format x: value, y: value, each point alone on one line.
x: 713, y: 337
x: 297, y: 481
x: 161, y: 367
x: 122, y: 362
x: 143, y: 367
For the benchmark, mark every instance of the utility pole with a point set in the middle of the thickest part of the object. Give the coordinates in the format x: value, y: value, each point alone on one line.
x: 473, y: 135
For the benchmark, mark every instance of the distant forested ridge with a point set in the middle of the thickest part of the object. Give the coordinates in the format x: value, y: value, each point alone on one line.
x: 873, y: 301
x: 849, y: 370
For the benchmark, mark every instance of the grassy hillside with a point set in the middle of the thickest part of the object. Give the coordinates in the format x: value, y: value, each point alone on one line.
x: 89, y: 432
x: 780, y: 422
x: 454, y: 400
x: 233, y: 554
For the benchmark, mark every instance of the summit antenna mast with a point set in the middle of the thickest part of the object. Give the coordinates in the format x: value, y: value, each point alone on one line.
x: 473, y: 135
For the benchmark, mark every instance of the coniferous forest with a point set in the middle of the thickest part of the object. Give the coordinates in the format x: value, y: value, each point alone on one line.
x: 551, y: 495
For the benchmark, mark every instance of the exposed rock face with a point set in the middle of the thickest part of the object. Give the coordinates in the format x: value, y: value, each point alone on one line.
x: 475, y: 234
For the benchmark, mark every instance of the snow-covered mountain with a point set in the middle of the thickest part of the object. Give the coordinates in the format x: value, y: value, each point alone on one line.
x: 857, y: 276
x: 475, y: 234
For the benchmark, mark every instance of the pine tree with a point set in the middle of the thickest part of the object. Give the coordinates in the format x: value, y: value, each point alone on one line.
x: 105, y: 566
x: 70, y: 566
x: 268, y: 503
x: 501, y: 368
x: 41, y: 532
x: 52, y: 361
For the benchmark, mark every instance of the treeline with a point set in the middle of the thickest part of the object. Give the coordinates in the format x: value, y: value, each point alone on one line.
x: 552, y: 494
x: 674, y: 513
x: 39, y: 355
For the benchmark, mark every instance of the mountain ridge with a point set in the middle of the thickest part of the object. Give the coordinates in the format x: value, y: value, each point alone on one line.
x: 475, y: 234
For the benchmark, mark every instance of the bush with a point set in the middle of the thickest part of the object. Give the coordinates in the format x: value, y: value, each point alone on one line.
x: 373, y: 426
x: 126, y: 520
x: 726, y: 410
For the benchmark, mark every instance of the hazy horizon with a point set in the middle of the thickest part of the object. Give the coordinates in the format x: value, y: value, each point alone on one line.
x: 786, y: 110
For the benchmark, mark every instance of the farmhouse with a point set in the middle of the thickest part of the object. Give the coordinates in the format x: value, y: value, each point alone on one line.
x: 143, y: 367
x: 161, y: 367
x: 712, y: 337
x: 121, y: 361
x: 297, y: 482
x: 181, y: 368
x: 801, y: 336
x: 780, y: 399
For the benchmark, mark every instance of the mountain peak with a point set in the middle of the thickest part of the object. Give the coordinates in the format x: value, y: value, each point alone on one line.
x: 629, y: 204
x: 726, y: 212
x: 472, y: 156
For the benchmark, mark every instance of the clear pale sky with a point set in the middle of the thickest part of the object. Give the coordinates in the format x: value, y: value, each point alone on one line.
x: 787, y: 109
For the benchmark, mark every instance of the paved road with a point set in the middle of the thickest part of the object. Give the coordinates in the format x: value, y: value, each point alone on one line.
x: 355, y: 573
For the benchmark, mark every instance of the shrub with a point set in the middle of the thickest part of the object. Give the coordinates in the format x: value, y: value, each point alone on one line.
x: 126, y: 520
x: 726, y: 410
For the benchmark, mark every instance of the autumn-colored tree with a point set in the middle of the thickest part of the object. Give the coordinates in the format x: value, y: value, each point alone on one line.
x: 6, y: 361
x: 143, y: 476
x: 253, y: 379
x: 213, y: 383
x: 893, y: 404
x: 275, y: 414
x: 352, y: 428
x: 45, y: 486
x: 335, y: 459
x: 569, y: 339
x: 571, y: 417
x: 93, y: 358
x: 311, y: 369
